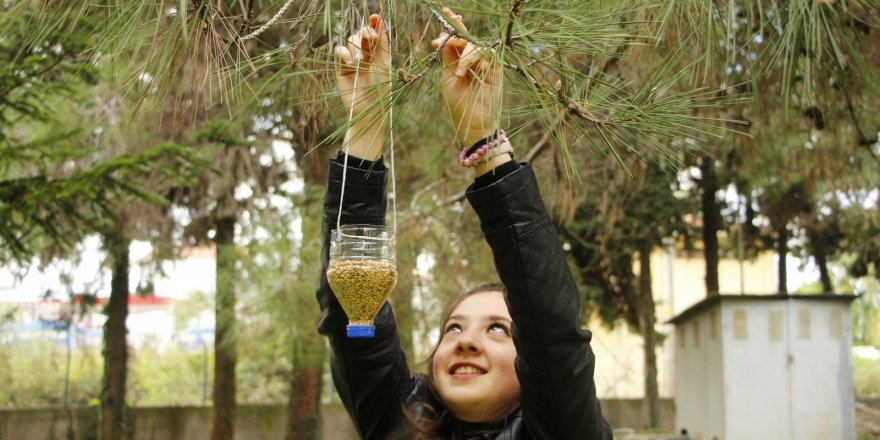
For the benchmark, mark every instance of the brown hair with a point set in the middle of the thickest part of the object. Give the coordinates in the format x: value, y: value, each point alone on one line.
x: 434, y: 421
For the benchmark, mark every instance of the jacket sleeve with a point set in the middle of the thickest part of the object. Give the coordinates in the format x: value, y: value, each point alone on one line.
x: 370, y: 374
x: 554, y: 362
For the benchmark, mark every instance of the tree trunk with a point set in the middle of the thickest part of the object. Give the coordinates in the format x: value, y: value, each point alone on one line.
x: 820, y: 254
x: 402, y: 297
x: 782, y: 252
x: 113, y: 415
x: 711, y: 222
x: 647, y: 321
x: 309, y: 352
x: 223, y: 427
x: 304, y: 399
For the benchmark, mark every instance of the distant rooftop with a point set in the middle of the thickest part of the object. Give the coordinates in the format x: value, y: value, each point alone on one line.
x: 714, y: 299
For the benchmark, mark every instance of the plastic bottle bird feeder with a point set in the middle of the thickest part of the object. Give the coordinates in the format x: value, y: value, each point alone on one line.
x: 362, y: 272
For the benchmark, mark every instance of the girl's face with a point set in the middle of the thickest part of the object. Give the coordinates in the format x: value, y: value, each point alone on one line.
x: 473, y: 365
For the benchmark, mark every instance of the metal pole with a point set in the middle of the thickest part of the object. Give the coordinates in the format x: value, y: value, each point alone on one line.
x: 204, y: 371
x: 740, y: 251
x: 69, y: 350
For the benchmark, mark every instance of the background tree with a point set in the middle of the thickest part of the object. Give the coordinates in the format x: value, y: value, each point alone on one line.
x: 607, y: 234
x: 60, y: 182
x: 585, y: 81
x: 56, y: 185
x: 794, y: 58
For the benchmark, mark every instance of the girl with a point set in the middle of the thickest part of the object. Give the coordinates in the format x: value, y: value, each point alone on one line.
x: 512, y: 361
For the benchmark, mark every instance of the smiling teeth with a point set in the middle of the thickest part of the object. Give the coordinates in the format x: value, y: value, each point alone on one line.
x: 467, y: 370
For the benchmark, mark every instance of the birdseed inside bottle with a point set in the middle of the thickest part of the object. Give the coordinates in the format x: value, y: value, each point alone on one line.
x: 361, y: 287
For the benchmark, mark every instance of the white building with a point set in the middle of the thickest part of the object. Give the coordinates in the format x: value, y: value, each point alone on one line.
x: 759, y: 366
x: 151, y: 318
x: 678, y: 283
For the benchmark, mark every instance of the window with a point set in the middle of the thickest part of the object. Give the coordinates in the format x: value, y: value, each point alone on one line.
x: 804, y: 323
x: 835, y: 322
x: 774, y: 325
x: 740, y: 325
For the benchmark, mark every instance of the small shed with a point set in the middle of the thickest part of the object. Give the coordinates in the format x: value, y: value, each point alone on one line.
x: 765, y: 367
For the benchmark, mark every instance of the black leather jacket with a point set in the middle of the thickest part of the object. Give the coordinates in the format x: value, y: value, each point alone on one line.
x: 554, y: 360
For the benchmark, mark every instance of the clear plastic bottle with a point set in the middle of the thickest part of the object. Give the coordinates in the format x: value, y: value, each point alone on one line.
x: 362, y: 271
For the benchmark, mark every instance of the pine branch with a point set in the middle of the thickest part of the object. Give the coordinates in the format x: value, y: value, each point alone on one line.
x: 577, y: 109
x: 514, y: 12
x: 268, y: 24
x: 544, y: 141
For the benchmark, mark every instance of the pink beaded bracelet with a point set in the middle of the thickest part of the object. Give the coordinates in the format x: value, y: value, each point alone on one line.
x: 479, y: 153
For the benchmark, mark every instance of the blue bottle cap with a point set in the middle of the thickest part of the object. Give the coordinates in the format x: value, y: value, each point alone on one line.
x: 360, y: 331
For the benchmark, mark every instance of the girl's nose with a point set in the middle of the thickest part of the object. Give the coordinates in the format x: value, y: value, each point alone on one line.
x: 469, y: 344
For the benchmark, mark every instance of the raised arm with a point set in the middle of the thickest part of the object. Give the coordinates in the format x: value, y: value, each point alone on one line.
x: 555, y: 363
x: 371, y: 374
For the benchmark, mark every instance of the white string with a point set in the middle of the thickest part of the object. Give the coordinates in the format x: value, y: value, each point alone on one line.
x: 388, y: 28
x: 391, y: 139
x: 357, y: 70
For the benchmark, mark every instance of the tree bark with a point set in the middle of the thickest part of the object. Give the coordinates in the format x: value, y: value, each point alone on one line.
x: 820, y: 254
x: 225, y: 352
x: 304, y: 398
x: 402, y: 296
x: 782, y: 252
x: 711, y: 222
x: 647, y: 321
x: 309, y: 351
x: 113, y: 413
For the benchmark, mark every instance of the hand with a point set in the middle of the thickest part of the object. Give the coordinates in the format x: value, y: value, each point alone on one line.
x: 470, y: 84
x: 363, y: 76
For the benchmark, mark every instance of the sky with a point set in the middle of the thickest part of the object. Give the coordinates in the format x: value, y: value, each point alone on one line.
x: 196, y: 273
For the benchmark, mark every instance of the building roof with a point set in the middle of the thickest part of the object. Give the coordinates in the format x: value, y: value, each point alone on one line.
x: 711, y: 301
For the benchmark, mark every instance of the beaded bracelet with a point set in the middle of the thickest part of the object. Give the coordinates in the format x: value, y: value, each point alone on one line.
x: 484, y: 141
x: 471, y: 156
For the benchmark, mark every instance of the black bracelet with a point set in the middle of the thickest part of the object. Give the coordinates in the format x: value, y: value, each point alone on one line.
x: 482, y: 142
x: 361, y: 164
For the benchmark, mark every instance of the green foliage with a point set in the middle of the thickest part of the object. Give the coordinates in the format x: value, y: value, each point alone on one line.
x: 174, y: 375
x: 276, y: 296
x: 596, y: 83
x: 608, y: 232
x: 169, y: 377
x: 55, y: 185
x: 866, y: 312
x: 33, y: 374
x: 63, y: 208
x: 35, y: 73
x: 557, y: 57
x: 182, y: 376
x: 866, y: 375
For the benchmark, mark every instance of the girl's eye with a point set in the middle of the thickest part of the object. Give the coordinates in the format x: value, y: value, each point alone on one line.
x: 453, y: 328
x: 499, y: 329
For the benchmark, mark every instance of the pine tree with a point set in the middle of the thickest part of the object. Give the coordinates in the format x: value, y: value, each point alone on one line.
x: 585, y: 81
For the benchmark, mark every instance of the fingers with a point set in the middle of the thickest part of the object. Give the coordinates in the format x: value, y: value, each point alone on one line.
x: 355, y: 46
x: 454, y: 20
x: 369, y: 41
x: 469, y: 58
x: 378, y: 25
x: 458, y: 53
x: 453, y: 47
x: 363, y: 47
x: 344, y: 60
